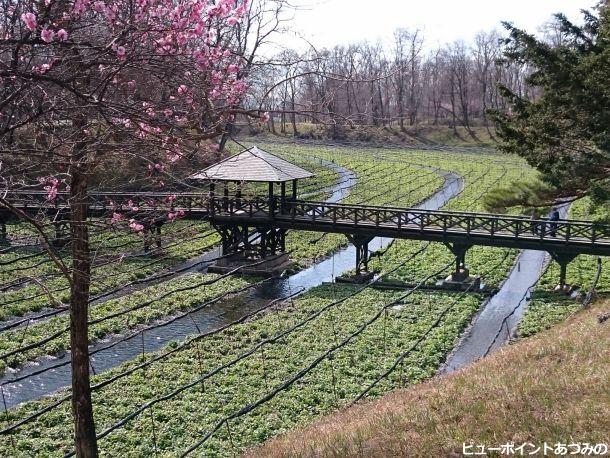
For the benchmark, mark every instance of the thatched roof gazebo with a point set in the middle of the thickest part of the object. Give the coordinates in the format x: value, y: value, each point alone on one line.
x: 254, y: 165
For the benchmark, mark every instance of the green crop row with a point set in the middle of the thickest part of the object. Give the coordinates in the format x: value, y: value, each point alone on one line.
x: 305, y: 247
x: 33, y: 296
x: 198, y: 291
x: 184, y: 419
x: 385, y: 177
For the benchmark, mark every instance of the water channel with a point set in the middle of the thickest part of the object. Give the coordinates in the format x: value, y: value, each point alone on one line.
x: 221, y: 313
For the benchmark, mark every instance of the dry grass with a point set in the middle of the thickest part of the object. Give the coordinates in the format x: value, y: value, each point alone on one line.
x: 553, y: 387
x: 411, y: 135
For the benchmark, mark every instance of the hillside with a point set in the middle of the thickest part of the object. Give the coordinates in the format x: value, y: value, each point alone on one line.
x: 421, y: 135
x: 552, y: 387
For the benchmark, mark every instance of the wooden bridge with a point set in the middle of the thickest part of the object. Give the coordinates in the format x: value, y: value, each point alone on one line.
x: 257, y: 226
x: 459, y: 231
x: 238, y: 218
x: 148, y: 208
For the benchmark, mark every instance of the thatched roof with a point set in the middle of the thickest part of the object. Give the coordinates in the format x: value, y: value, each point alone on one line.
x: 253, y: 164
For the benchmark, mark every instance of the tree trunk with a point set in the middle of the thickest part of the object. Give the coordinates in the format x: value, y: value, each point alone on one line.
x: 293, y: 115
x: 229, y: 128
x: 82, y: 408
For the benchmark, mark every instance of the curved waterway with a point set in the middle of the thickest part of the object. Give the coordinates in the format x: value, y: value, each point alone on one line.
x: 224, y: 312
x: 214, y: 316
x: 207, y: 319
x: 498, y: 320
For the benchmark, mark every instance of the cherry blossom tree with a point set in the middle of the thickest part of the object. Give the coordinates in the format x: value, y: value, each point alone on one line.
x: 84, y: 84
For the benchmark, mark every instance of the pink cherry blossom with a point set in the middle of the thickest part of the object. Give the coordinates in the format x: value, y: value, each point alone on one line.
x: 182, y: 89
x: 30, y: 20
x: 135, y: 226
x: 172, y: 216
x: 233, y: 68
x: 120, y: 52
x: 51, y: 187
x: 172, y: 157
x: 47, y: 35
x: 265, y: 117
x: 62, y: 35
x: 132, y: 206
x: 116, y: 217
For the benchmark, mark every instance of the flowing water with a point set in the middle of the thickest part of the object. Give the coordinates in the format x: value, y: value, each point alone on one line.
x: 214, y: 316
x: 498, y: 320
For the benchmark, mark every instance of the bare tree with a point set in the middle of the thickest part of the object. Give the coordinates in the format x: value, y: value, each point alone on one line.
x: 84, y: 85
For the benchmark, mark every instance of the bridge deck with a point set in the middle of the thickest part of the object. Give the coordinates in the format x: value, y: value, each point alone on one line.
x: 463, y: 228
x: 569, y: 237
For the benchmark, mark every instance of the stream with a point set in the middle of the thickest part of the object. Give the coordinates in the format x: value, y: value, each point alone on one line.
x: 228, y: 310
x: 498, y: 320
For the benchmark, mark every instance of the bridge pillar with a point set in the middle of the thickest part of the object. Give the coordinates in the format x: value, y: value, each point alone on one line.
x: 3, y: 232
x: 265, y: 257
x: 231, y: 237
x: 61, y: 224
x: 563, y: 259
x: 273, y: 241
x: 459, y: 251
x: 236, y: 238
x: 152, y: 231
x: 362, y: 252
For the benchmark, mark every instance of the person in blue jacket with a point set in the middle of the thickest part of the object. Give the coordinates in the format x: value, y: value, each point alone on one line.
x: 553, y: 218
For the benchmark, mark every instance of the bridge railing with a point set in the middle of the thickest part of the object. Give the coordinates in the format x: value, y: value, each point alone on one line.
x: 399, y: 218
x: 108, y: 201
x: 393, y: 217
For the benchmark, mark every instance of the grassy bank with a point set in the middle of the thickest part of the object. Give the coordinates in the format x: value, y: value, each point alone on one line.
x: 421, y: 134
x: 553, y: 387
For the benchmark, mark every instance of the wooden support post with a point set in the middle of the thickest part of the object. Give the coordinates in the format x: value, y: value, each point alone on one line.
x: 58, y: 231
x: 271, y: 200
x: 158, y: 237
x: 3, y: 233
x: 146, y: 236
x: 211, y: 201
x: 563, y: 273
x: 238, y: 196
x: 294, y: 189
x: 361, y: 243
x: 563, y: 259
x: 263, y: 244
x: 459, y: 251
x: 283, y: 197
x: 225, y: 203
x: 246, y: 239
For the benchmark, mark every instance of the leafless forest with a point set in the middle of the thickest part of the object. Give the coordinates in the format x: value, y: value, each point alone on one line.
x: 406, y: 83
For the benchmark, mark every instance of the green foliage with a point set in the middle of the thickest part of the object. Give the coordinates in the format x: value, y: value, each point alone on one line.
x: 399, y: 178
x: 520, y: 193
x: 137, y: 305
x: 183, y: 241
x: 565, y: 131
x: 183, y: 419
x: 548, y: 307
x: 544, y: 311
